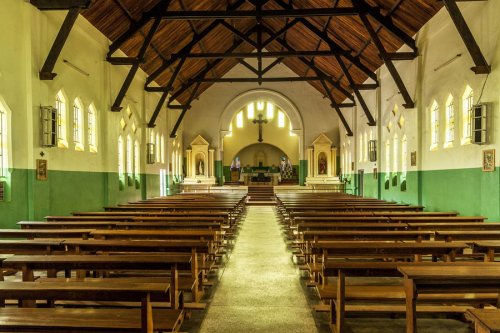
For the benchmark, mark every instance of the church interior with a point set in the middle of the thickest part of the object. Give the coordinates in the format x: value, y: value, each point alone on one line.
x: 249, y: 165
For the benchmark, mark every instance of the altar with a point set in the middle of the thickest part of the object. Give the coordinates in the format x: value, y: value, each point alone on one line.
x: 260, y: 178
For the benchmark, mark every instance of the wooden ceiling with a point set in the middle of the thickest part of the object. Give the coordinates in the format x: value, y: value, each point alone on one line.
x: 348, y: 33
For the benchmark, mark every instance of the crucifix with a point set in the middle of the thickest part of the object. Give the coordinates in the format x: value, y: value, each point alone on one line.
x: 260, y: 122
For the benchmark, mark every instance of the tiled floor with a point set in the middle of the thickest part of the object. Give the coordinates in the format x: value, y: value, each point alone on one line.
x: 261, y: 290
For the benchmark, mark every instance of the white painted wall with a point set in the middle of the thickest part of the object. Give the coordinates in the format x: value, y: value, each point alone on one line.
x: 26, y: 37
x: 438, y: 41
x: 317, y: 115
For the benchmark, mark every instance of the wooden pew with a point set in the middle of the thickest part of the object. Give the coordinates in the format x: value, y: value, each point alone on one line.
x: 96, y: 291
x: 430, y: 279
x: 353, y: 235
x: 378, y: 295
x: 488, y: 248
x: 53, y: 263
x: 485, y: 320
x: 45, y: 233
x: 452, y: 235
x: 120, y: 225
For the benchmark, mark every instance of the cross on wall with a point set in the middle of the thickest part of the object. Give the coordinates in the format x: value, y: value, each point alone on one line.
x: 260, y: 121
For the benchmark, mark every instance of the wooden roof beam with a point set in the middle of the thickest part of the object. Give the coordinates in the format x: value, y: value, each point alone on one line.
x: 239, y: 34
x: 354, y: 86
x: 60, y: 4
x: 481, y: 65
x: 261, y: 79
x: 63, y: 34
x: 135, y: 27
x: 165, y: 93
x: 335, y: 106
x: 213, y: 64
x: 116, y: 107
x: 252, y: 14
x: 173, y: 134
x: 187, y: 48
x: 244, y: 55
x: 386, y: 21
x: 409, y: 103
x: 318, y: 71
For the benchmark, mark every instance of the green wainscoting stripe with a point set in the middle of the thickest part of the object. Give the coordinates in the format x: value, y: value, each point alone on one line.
x: 67, y: 191
x: 219, y: 172
x: 469, y: 191
x: 466, y: 191
x: 143, y: 186
x: 226, y: 172
x: 302, y: 172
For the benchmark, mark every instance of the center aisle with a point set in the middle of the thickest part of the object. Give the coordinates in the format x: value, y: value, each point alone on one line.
x: 259, y: 290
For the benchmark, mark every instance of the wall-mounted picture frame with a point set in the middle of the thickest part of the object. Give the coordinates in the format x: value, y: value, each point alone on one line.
x: 413, y: 158
x: 41, y: 170
x: 489, y: 160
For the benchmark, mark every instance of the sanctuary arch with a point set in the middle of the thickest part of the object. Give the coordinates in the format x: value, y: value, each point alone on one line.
x: 255, y: 129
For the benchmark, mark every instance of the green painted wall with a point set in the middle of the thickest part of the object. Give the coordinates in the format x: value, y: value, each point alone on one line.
x: 219, y: 172
x: 466, y: 191
x: 302, y: 172
x: 470, y: 191
x: 67, y: 191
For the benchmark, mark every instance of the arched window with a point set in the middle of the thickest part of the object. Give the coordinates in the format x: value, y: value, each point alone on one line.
x: 395, y: 147
x: 281, y: 119
x: 467, y: 103
x: 450, y: 121
x: 62, y: 120
x: 3, y: 143
x: 158, y: 148
x: 172, y: 164
x: 179, y: 164
x: 162, y: 149
x: 121, y: 169
x: 239, y: 120
x: 387, y: 158
x: 360, y: 148
x: 92, y: 128
x: 269, y: 110
x: 404, y: 157
x: 365, y: 146
x: 137, y: 161
x: 129, y: 157
x: 434, y: 125
x: 251, y: 111
x: 78, y: 124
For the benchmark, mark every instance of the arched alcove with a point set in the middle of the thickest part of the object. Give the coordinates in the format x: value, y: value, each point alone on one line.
x: 274, y: 97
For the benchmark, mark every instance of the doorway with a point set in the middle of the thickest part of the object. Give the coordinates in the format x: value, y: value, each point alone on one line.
x: 360, y: 183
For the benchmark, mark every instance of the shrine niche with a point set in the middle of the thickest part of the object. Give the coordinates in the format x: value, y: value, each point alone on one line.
x: 200, y: 163
x: 321, y: 162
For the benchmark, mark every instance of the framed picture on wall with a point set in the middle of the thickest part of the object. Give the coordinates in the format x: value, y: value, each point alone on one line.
x: 413, y: 158
x: 41, y: 170
x: 489, y: 160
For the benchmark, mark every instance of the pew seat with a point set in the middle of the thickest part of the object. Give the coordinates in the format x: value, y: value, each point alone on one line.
x: 66, y: 320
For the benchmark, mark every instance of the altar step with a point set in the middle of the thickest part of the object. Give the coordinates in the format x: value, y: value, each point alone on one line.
x: 261, y: 196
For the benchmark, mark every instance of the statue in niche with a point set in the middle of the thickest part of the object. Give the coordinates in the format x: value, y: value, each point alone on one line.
x: 200, y: 165
x: 282, y: 165
x: 322, y: 165
x: 286, y: 169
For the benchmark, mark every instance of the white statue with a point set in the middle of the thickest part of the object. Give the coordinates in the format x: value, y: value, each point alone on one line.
x: 201, y: 167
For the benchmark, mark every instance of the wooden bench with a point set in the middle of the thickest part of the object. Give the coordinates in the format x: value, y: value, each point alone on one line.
x: 452, y: 235
x: 96, y: 291
x: 485, y: 320
x: 45, y: 233
x: 378, y: 296
x: 54, y: 263
x: 432, y: 279
x: 488, y: 248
